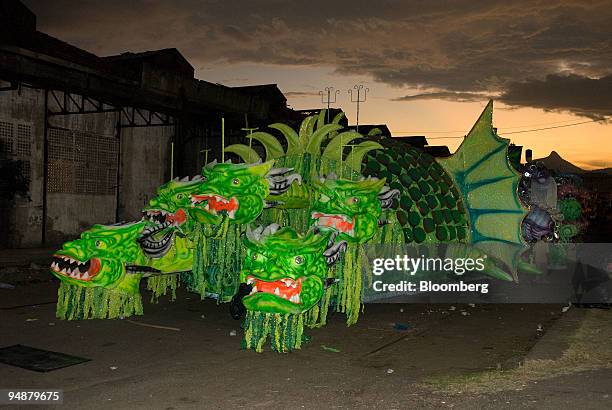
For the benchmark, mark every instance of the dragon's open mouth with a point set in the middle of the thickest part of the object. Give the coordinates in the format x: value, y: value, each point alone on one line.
x: 74, y: 268
x: 285, y: 288
x: 340, y: 222
x: 216, y: 204
x: 156, y: 248
x: 159, y: 216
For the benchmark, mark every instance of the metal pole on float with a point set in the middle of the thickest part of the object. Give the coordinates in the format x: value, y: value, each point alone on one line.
x: 249, y: 130
x: 205, y: 151
x: 222, y: 139
x: 172, y: 160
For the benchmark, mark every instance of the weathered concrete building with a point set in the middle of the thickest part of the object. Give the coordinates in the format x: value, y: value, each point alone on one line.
x: 87, y: 139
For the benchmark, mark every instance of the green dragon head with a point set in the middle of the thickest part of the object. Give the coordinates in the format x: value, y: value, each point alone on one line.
x: 99, y: 257
x: 286, y: 271
x: 235, y: 190
x: 351, y: 208
x: 168, y: 212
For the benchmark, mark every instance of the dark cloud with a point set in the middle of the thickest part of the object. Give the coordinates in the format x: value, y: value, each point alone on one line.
x: 300, y: 93
x: 445, y: 95
x: 597, y: 164
x: 464, y: 46
x: 582, y: 95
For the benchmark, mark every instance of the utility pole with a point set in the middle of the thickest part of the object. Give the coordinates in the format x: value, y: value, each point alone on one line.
x: 361, y: 93
x: 326, y: 98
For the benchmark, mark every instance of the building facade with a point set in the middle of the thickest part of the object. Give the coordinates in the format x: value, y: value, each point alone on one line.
x: 87, y: 139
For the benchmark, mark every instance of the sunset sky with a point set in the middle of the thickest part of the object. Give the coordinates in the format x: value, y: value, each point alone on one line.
x: 430, y: 66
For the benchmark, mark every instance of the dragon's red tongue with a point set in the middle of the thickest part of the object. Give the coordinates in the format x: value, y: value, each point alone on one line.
x: 279, y: 288
x: 179, y: 216
x: 218, y: 204
x: 94, y: 266
x: 223, y: 206
x: 344, y: 226
x: 334, y: 221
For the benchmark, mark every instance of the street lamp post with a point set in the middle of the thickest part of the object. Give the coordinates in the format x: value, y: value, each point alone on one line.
x: 328, y: 97
x: 361, y: 91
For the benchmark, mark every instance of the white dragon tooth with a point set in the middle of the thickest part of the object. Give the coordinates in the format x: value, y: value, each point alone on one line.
x: 254, y: 290
x: 85, y: 275
x: 277, y: 291
x: 284, y: 296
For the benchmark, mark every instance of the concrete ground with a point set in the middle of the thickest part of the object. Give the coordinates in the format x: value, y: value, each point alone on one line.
x: 195, y: 362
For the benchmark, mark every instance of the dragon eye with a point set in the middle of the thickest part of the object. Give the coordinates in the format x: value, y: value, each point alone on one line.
x: 179, y: 196
x: 98, y: 244
x: 254, y: 257
x: 235, y: 181
x: 299, y: 260
x: 353, y: 200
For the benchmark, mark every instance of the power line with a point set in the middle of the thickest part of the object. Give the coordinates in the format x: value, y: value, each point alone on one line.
x: 537, y: 125
x: 530, y: 130
x: 504, y: 128
x: 557, y: 126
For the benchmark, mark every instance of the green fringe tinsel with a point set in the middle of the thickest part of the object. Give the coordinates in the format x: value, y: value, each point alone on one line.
x: 216, y: 263
x: 159, y: 285
x: 286, y: 331
x: 76, y: 302
x: 347, y: 294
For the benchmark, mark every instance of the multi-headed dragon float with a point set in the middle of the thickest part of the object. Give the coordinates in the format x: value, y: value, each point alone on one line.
x: 283, y: 239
